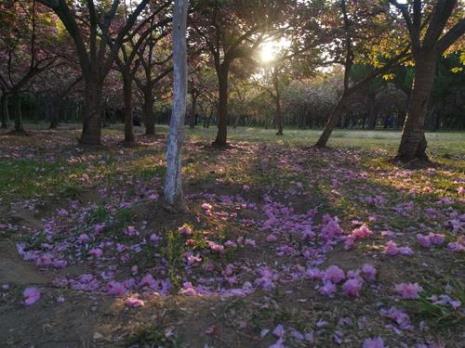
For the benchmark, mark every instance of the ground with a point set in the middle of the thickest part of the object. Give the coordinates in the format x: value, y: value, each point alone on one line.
x: 83, y: 231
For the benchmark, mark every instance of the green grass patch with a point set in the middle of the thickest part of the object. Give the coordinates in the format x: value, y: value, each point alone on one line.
x: 26, y: 178
x: 153, y: 336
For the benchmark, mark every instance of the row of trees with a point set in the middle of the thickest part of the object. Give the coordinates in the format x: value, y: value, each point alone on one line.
x: 89, y: 45
x: 306, y: 103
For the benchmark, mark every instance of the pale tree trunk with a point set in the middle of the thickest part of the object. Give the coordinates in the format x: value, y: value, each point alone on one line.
x: 128, y: 111
x: 223, y: 76
x: 92, y: 121
x: 413, y: 144
x: 173, y: 192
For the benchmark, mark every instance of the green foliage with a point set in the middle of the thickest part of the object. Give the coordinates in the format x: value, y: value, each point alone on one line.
x: 28, y: 178
x: 153, y: 336
x: 439, y: 316
x: 99, y: 215
x: 123, y: 217
x: 173, y: 252
x: 70, y: 191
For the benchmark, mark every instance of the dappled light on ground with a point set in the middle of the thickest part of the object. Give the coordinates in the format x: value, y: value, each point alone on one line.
x: 282, y: 244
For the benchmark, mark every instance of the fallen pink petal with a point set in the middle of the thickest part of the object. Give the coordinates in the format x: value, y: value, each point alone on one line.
x: 408, y: 291
x: 31, y: 296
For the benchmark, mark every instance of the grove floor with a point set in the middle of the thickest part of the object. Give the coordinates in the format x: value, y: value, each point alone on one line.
x: 245, y: 266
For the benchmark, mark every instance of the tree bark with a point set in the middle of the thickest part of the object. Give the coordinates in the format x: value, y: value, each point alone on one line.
x: 437, y: 121
x: 92, y: 122
x: 5, y: 112
x: 193, y: 120
x: 54, y: 113
x: 19, y: 126
x: 149, y: 117
x: 279, y: 115
x: 223, y: 81
x: 236, y: 121
x: 207, y: 120
x: 128, y: 111
x: 173, y: 192
x: 372, y: 116
x: 413, y: 144
x: 332, y: 122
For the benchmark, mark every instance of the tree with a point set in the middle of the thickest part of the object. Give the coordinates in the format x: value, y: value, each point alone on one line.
x: 308, y: 101
x: 295, y: 60
x: 363, y: 26
x: 368, y: 93
x: 230, y: 30
x: 128, y: 64
x: 196, y: 63
x: 92, y: 26
x: 155, y: 59
x: 272, y: 82
x: 432, y: 28
x: 447, y: 101
x: 27, y: 43
x: 204, y: 79
x: 52, y: 90
x: 173, y: 192
x: 5, y: 119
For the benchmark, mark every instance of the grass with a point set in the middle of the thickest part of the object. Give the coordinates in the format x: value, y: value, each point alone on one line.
x: 32, y: 178
x: 264, y: 167
x: 153, y: 336
x: 99, y: 215
x: 29, y: 178
x: 173, y: 252
x: 439, y: 316
x: 440, y: 143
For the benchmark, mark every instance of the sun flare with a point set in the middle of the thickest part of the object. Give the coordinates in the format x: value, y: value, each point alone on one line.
x: 268, y: 51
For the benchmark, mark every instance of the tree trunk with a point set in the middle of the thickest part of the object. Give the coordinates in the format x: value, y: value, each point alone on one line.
x: 173, y: 192
x: 19, y: 126
x: 207, y: 120
x: 222, y: 135
x: 128, y: 112
x: 437, y: 121
x: 413, y: 144
x: 372, y: 116
x: 279, y: 115
x: 401, y: 116
x: 149, y: 117
x: 92, y: 122
x: 54, y: 112
x: 236, y: 121
x: 193, y: 120
x: 5, y: 112
x: 332, y: 122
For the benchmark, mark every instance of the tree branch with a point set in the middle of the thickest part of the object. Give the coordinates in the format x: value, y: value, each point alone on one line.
x: 439, y: 17
x: 414, y: 34
x: 451, y: 36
